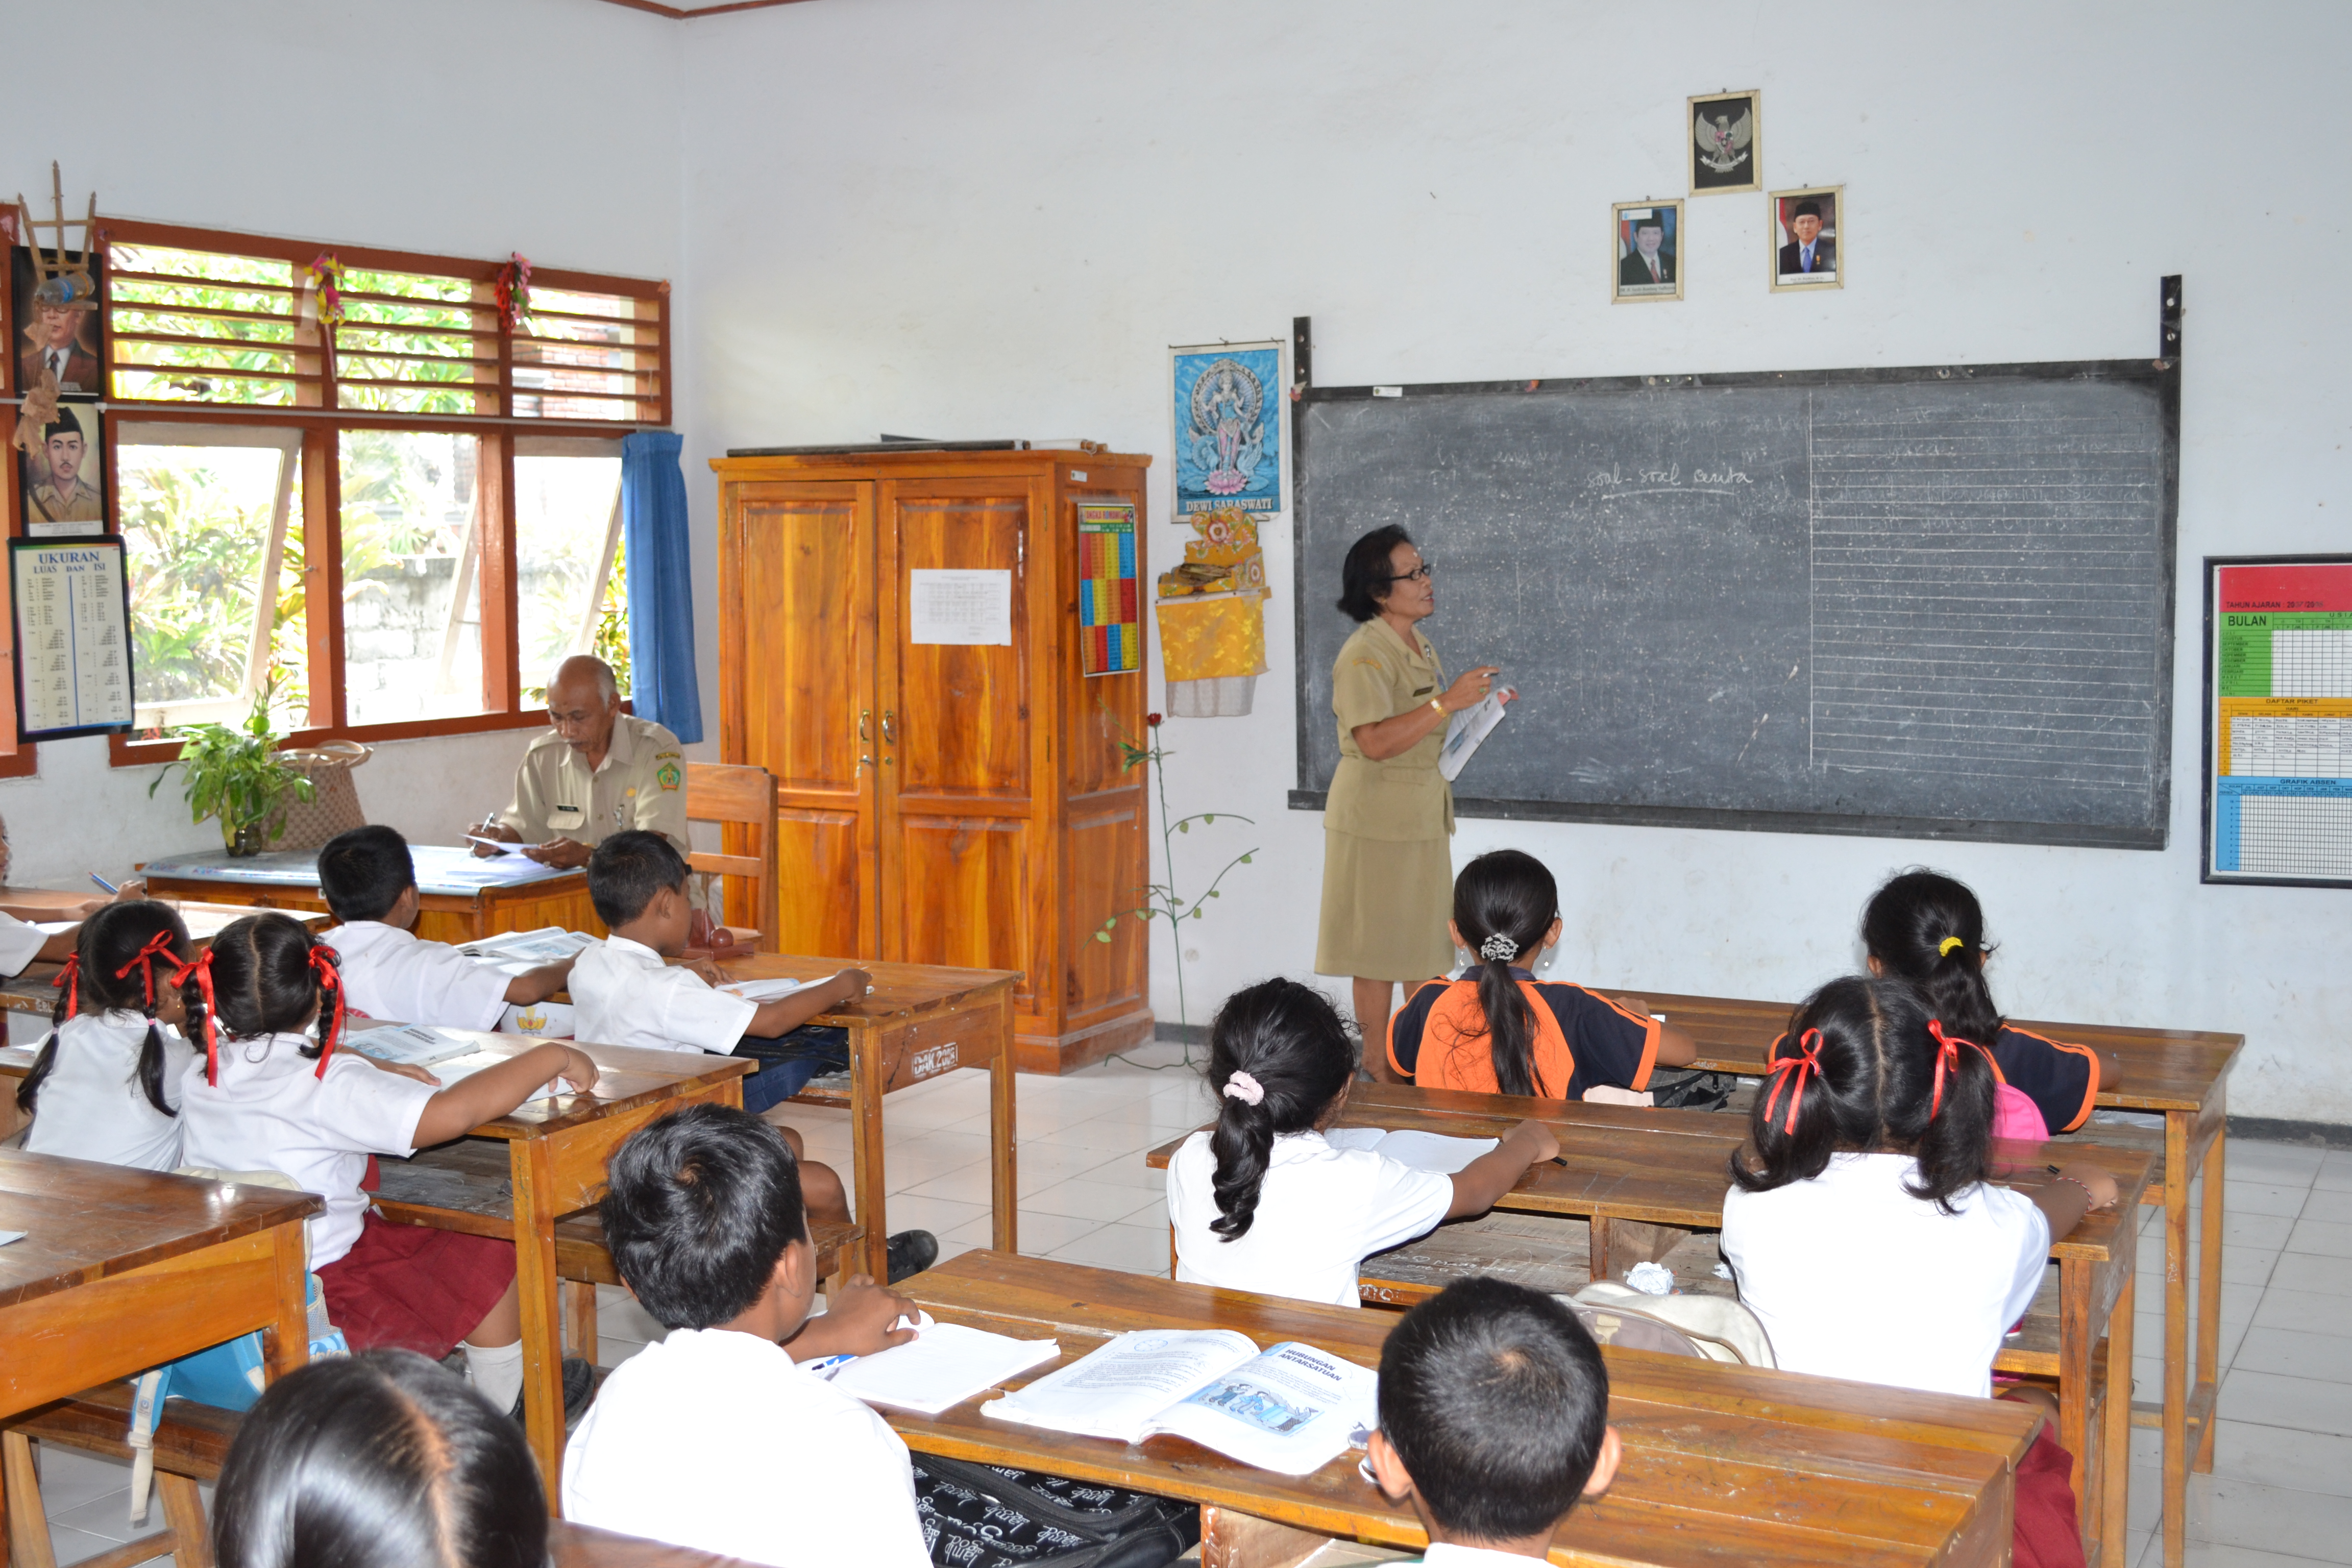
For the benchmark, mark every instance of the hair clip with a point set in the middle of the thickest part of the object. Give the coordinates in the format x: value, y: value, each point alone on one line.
x: 1498, y: 949
x: 1950, y: 944
x: 1808, y: 1063
x: 1242, y: 1087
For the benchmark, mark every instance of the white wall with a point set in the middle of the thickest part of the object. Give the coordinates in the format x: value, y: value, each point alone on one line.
x: 930, y: 216
x: 458, y: 127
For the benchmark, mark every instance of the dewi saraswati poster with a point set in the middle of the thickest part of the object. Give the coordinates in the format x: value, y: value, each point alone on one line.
x: 1228, y: 407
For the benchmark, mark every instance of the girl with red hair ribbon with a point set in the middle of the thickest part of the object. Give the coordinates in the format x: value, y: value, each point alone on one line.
x: 279, y: 1088
x: 106, y: 1084
x: 1865, y: 1230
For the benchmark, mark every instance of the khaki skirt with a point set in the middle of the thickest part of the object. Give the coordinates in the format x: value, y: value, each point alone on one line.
x: 1385, y: 905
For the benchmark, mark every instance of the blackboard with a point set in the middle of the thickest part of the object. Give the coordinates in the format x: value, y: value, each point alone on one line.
x: 1918, y: 603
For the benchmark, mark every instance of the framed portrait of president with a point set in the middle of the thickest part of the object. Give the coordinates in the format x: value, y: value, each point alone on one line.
x: 1806, y: 236
x: 1646, y: 251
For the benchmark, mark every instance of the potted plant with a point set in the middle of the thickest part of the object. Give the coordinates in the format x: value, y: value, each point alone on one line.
x: 233, y: 775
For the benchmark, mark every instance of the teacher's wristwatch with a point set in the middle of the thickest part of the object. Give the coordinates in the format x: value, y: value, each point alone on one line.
x: 1438, y: 703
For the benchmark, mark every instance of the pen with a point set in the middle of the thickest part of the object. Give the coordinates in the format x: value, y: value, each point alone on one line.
x: 104, y: 883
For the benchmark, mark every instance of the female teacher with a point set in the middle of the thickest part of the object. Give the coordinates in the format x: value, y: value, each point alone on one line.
x: 1388, y: 874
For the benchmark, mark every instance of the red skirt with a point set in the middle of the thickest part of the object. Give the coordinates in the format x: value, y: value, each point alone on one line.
x: 411, y: 1287
x: 2048, y: 1533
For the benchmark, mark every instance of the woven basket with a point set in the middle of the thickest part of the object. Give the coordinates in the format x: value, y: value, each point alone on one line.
x: 334, y: 804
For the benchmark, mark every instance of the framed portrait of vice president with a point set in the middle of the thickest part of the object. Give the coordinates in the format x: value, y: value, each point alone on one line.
x: 1806, y: 238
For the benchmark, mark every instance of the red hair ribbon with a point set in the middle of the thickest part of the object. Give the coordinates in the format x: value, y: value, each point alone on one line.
x: 331, y: 980
x: 69, y: 977
x: 1947, y: 1058
x: 158, y: 945
x: 203, y: 971
x: 1808, y: 1063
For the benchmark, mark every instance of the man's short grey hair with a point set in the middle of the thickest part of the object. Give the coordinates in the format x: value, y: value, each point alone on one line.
x: 607, y: 687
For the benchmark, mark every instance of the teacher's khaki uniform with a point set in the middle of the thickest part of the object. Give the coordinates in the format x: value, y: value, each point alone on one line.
x: 641, y: 783
x: 1388, y: 869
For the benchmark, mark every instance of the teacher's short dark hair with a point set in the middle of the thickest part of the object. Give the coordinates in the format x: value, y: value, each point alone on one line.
x: 378, y: 1460
x: 1364, y: 576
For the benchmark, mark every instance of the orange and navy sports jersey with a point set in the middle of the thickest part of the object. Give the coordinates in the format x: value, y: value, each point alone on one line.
x: 1438, y: 1039
x: 2061, y: 1079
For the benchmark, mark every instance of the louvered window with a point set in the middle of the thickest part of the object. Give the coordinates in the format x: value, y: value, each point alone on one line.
x: 588, y: 356
x: 197, y: 326
x: 416, y: 344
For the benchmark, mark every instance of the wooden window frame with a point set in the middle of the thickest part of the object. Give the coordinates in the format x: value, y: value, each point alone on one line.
x: 321, y: 428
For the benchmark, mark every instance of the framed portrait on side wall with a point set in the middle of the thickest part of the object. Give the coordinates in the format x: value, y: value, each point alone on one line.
x: 1647, y: 251
x: 1806, y: 239
x: 1725, y: 153
x: 63, y: 479
x: 60, y: 337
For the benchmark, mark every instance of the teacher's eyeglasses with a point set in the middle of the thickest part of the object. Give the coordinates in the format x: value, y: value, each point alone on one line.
x: 1418, y: 574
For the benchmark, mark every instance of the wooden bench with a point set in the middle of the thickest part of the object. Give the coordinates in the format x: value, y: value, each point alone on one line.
x: 191, y: 1441
x: 466, y: 1186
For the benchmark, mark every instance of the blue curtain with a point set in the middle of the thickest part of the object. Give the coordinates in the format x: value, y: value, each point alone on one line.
x: 661, y: 583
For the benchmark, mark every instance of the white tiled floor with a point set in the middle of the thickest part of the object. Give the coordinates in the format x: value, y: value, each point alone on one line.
x: 2281, y: 1491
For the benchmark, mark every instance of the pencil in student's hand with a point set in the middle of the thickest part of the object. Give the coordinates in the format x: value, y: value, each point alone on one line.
x: 102, y: 882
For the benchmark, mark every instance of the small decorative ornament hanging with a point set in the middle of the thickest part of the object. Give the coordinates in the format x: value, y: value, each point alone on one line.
x: 514, y: 290
x: 327, y: 287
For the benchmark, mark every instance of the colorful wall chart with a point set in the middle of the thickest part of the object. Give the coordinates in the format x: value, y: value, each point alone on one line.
x: 2279, y: 720
x: 1111, y: 621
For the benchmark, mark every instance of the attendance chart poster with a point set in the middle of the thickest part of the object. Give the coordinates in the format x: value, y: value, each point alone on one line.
x: 2279, y: 720
x: 1228, y: 408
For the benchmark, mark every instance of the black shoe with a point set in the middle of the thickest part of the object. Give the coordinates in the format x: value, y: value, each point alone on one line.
x: 911, y: 1252
x: 579, y: 1383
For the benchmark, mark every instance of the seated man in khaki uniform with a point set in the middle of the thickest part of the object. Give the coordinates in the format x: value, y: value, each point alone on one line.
x: 596, y: 772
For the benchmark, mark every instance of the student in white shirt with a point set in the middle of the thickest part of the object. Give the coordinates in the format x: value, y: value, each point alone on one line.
x: 1493, y: 1406
x: 715, y: 1438
x: 1861, y: 1227
x: 106, y: 1085
x: 1263, y: 1203
x: 378, y: 1460
x: 271, y: 1091
x: 624, y: 993
x: 369, y: 880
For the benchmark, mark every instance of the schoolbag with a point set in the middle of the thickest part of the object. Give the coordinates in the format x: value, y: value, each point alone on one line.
x: 986, y: 1516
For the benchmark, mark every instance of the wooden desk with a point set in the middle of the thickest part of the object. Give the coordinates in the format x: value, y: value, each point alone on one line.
x: 1722, y: 1463
x: 1619, y: 1163
x: 920, y: 1021
x: 577, y: 1546
x: 31, y: 992
x: 121, y: 1269
x: 454, y: 904
x: 2183, y: 1075
x: 556, y: 1150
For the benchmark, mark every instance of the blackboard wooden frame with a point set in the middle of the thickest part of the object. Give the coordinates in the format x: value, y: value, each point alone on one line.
x: 2162, y: 376
x: 2208, y: 679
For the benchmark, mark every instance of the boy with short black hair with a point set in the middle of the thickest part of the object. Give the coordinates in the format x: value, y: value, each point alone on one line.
x: 624, y: 993
x: 1493, y: 1409
x: 703, y: 1214
x: 369, y: 880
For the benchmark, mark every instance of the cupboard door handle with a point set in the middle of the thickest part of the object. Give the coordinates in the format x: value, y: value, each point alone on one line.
x: 864, y: 714
x: 889, y: 728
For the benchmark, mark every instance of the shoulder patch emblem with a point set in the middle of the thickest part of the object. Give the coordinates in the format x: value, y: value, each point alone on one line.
x: 669, y: 775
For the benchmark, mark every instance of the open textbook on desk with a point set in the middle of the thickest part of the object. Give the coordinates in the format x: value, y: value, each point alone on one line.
x: 1293, y: 1408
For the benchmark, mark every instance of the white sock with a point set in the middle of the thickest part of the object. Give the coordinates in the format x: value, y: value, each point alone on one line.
x: 497, y: 1371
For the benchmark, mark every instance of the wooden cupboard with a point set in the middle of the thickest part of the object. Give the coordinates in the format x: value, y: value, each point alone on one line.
x: 941, y: 804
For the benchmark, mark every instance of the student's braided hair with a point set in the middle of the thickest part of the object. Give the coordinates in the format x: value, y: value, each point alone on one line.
x: 1278, y: 1057
x: 1504, y: 904
x: 1866, y: 1067
x: 126, y: 955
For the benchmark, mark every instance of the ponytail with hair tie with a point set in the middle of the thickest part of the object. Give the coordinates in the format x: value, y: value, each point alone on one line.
x: 69, y: 978
x: 158, y: 945
x: 1807, y: 1063
x: 1948, y: 946
x: 1947, y: 1058
x: 201, y: 971
x: 331, y: 980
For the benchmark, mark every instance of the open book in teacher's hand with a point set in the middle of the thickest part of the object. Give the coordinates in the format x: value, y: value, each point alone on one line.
x: 1293, y: 1409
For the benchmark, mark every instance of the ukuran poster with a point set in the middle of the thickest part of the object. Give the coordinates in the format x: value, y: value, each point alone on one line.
x: 1228, y: 408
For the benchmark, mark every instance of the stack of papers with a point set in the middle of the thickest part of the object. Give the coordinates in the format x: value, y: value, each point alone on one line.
x: 1421, y: 1150
x: 945, y: 1365
x: 414, y: 1045
x: 499, y: 845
